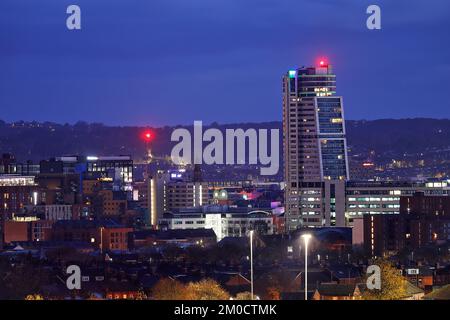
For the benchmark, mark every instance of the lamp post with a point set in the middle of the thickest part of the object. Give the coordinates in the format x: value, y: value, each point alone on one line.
x: 101, y: 240
x: 147, y: 136
x: 251, y: 263
x: 306, y: 238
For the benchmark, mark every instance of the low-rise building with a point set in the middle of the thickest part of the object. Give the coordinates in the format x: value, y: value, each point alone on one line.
x: 383, y: 197
x: 225, y: 221
x: 180, y: 237
x: 423, y: 220
x: 103, y: 234
x: 335, y: 291
x: 28, y: 231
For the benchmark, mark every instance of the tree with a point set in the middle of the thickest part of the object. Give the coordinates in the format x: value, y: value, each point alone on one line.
x: 34, y: 297
x: 168, y: 289
x: 206, y: 289
x: 21, y: 278
x: 393, y: 284
x: 273, y: 293
x: 442, y: 293
x: 141, y: 295
x: 244, y: 296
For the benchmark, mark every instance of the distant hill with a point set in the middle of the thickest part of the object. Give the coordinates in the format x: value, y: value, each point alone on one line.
x: 35, y: 141
x: 403, y: 136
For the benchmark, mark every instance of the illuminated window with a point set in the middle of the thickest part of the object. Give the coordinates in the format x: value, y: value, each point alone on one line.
x: 336, y: 120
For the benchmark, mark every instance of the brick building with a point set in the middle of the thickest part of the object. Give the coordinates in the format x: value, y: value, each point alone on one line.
x: 104, y: 234
x: 423, y: 220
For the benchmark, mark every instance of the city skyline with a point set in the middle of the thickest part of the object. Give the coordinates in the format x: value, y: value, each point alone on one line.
x: 231, y: 158
x: 167, y: 45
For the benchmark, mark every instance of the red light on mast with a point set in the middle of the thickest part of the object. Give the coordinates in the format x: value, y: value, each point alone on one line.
x: 147, y: 136
x: 322, y: 62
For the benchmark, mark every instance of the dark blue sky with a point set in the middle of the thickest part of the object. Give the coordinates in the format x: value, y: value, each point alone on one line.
x: 158, y: 62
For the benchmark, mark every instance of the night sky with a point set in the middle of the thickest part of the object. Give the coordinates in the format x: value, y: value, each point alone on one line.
x: 166, y: 62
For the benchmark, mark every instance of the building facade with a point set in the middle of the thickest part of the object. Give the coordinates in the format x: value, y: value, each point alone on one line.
x: 315, y: 147
x: 225, y: 221
x: 423, y: 220
x: 105, y: 235
x: 16, y: 192
x: 383, y: 197
x: 171, y: 190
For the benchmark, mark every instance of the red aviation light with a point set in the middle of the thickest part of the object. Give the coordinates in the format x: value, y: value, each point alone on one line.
x: 147, y: 136
x: 322, y: 62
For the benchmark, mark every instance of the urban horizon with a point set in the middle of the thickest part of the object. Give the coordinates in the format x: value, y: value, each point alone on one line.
x: 243, y: 188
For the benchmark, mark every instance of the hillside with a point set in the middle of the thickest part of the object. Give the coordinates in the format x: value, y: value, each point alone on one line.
x: 35, y: 141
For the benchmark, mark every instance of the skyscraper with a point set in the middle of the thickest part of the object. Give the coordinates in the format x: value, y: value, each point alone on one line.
x: 315, y: 147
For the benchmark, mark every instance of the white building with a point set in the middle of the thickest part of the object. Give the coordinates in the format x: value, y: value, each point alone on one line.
x: 383, y: 197
x: 169, y: 190
x: 225, y: 221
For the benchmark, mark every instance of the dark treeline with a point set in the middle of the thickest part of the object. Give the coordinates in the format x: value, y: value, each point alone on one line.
x: 35, y: 141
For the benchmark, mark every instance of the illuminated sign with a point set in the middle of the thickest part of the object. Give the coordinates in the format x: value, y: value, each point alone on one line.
x: 292, y: 73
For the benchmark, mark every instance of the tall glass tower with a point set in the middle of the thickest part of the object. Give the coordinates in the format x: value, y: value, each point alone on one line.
x: 315, y: 147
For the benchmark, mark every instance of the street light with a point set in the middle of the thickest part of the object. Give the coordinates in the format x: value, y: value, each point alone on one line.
x: 101, y: 240
x: 306, y: 237
x: 251, y: 263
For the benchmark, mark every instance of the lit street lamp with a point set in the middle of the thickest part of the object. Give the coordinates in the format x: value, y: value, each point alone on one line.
x: 306, y: 238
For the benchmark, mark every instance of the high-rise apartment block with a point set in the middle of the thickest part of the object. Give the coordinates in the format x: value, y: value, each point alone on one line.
x: 314, y: 147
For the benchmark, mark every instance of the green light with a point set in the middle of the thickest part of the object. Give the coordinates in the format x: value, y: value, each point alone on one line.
x: 292, y: 73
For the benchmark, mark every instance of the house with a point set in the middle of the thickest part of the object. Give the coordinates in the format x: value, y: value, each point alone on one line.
x: 233, y: 282
x: 422, y: 277
x: 335, y: 291
x: 179, y: 237
x: 442, y: 276
x: 413, y: 292
x: 122, y: 290
x: 442, y: 293
x: 300, y: 295
x: 345, y: 274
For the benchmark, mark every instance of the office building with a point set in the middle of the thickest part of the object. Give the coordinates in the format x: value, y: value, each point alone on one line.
x: 315, y: 147
x: 423, y: 220
x: 225, y: 221
x: 383, y: 197
x: 116, y: 169
x: 9, y: 165
x: 16, y: 192
x: 173, y: 190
